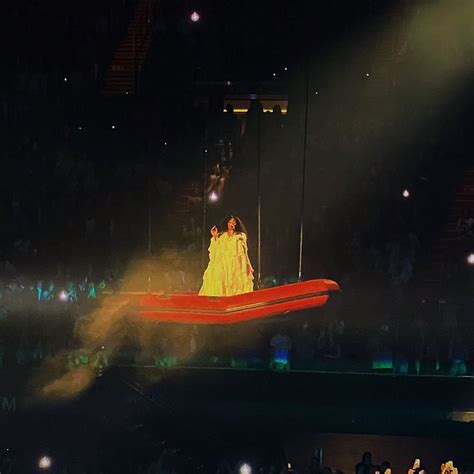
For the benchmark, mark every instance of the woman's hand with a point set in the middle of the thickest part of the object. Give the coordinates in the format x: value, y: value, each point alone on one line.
x: 250, y: 270
x: 214, y: 232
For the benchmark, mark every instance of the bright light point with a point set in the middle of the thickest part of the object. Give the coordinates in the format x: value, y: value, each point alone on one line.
x: 195, y: 16
x: 213, y: 196
x: 316, y: 92
x: 285, y: 68
x: 274, y: 74
x: 126, y: 93
x: 245, y: 469
x: 44, y: 462
x: 166, y: 143
x: 79, y: 128
x: 205, y: 151
x: 470, y: 259
x: 228, y: 83
x: 406, y: 193
x: 367, y: 74
x: 65, y: 79
x: 63, y: 296
x: 113, y: 127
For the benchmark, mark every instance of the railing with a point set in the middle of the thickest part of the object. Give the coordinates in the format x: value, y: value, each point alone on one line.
x: 141, y: 32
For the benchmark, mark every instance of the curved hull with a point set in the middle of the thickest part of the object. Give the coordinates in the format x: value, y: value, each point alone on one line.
x: 194, y: 309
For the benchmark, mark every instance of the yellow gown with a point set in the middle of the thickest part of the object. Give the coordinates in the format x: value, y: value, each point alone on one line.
x: 229, y: 271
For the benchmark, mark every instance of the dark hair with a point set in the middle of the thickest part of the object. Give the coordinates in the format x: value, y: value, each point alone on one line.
x: 238, y: 228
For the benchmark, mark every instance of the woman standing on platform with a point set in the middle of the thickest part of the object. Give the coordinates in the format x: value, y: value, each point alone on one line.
x: 229, y: 271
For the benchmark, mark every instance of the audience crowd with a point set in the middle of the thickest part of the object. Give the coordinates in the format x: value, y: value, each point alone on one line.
x: 72, y: 226
x: 187, y: 460
x: 69, y: 233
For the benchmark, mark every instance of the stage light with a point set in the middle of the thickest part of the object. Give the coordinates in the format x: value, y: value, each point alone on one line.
x: 470, y: 259
x: 265, y: 109
x: 228, y: 83
x: 285, y: 68
x: 245, y: 469
x: 195, y: 17
x: 213, y: 197
x: 274, y: 74
x: 406, y: 193
x: 205, y: 150
x: 113, y: 127
x: 44, y: 463
x: 65, y: 79
x: 63, y: 296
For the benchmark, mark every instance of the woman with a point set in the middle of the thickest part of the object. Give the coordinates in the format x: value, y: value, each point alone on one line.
x: 229, y: 271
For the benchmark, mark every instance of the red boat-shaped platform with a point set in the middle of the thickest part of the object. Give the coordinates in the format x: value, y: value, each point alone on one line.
x: 194, y: 309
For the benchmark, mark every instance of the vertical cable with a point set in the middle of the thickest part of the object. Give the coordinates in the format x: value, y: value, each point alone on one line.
x: 149, y: 283
x: 204, y: 198
x: 303, y: 172
x: 259, y: 204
